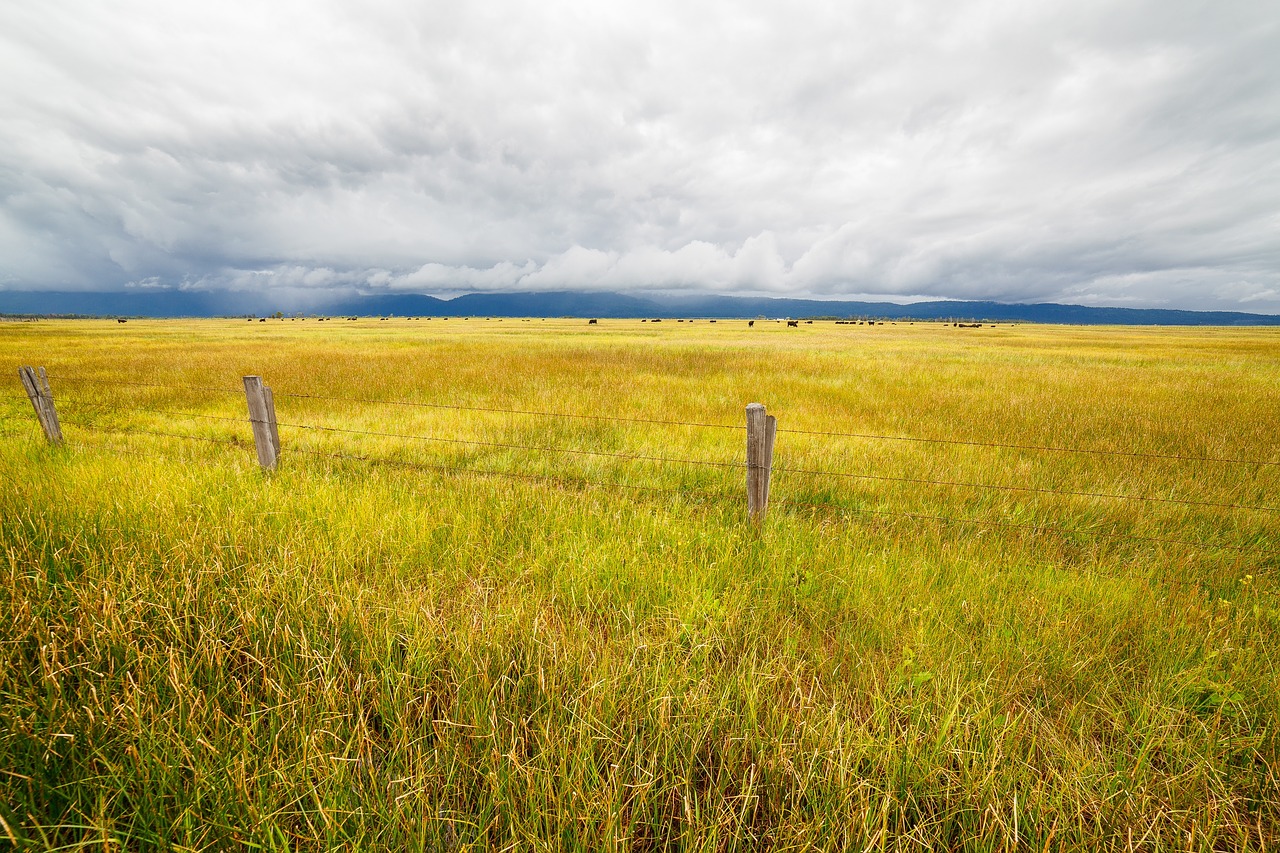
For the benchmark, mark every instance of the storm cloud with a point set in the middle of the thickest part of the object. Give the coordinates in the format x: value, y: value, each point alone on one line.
x: 1101, y: 153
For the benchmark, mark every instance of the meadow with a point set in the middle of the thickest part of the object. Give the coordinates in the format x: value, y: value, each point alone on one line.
x: 1016, y: 589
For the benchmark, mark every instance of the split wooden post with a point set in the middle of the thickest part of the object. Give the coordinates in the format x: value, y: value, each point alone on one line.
x: 761, y: 430
x: 36, y: 381
x: 271, y: 419
x: 262, y: 414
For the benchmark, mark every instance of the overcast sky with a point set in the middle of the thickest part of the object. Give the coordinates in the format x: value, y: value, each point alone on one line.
x: 1102, y: 153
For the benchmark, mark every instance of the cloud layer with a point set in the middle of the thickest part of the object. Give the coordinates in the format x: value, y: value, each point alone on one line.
x: 1118, y: 153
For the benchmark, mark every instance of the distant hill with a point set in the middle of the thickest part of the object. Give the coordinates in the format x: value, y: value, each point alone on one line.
x: 170, y: 303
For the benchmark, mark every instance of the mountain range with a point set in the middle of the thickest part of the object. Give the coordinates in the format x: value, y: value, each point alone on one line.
x: 175, y: 303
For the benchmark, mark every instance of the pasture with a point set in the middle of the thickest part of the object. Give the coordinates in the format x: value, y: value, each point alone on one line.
x: 1016, y: 588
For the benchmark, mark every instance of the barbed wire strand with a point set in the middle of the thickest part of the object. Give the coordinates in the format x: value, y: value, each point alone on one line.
x: 89, y: 380
x: 411, y: 403
x: 530, y: 412
x: 1029, y: 489
x: 495, y: 444
x: 230, y: 442
x: 510, y: 446
x: 453, y: 469
x: 414, y: 437
x: 1036, y: 447
x: 82, y: 404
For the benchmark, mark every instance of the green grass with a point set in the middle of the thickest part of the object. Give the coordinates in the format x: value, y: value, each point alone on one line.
x: 491, y: 648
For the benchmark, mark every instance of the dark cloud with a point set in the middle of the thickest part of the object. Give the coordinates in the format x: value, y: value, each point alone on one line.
x: 1107, y: 153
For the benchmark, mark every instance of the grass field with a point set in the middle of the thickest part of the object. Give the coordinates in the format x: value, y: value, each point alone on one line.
x: 458, y: 634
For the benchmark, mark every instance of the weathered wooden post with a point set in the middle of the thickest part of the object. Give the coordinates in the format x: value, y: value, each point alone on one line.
x: 36, y: 381
x: 271, y: 416
x: 262, y: 414
x: 761, y: 429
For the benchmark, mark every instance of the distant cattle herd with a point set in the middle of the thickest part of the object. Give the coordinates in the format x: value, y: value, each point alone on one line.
x: 594, y: 321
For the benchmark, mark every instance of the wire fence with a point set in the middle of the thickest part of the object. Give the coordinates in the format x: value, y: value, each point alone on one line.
x: 110, y: 417
x: 711, y: 463
x: 1038, y: 448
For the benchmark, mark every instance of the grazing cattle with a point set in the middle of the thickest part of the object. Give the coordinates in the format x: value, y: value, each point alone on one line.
x: 795, y: 323
x: 592, y: 322
x: 750, y: 323
x: 118, y: 320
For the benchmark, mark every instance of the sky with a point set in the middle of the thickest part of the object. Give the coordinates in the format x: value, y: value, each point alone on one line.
x: 1122, y: 152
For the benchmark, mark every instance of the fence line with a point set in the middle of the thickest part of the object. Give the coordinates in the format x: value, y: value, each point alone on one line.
x: 686, y: 492
x: 735, y: 427
x: 454, y: 469
x: 711, y: 463
x: 569, y: 481
x: 843, y: 509
x: 700, y: 462
x: 824, y: 506
x: 795, y: 502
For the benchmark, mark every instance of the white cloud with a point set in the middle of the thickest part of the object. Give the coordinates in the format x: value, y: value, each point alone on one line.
x: 1119, y: 152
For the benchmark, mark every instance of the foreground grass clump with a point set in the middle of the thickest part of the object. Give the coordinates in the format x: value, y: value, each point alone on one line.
x: 505, y: 648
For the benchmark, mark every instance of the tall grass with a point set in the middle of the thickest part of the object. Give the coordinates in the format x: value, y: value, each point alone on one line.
x: 487, y: 647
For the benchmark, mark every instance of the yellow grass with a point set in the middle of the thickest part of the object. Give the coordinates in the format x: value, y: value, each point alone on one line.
x: 495, y: 628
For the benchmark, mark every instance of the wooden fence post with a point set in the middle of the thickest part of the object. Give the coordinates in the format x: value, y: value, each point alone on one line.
x: 271, y: 418
x: 761, y: 429
x: 262, y: 414
x: 36, y: 381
